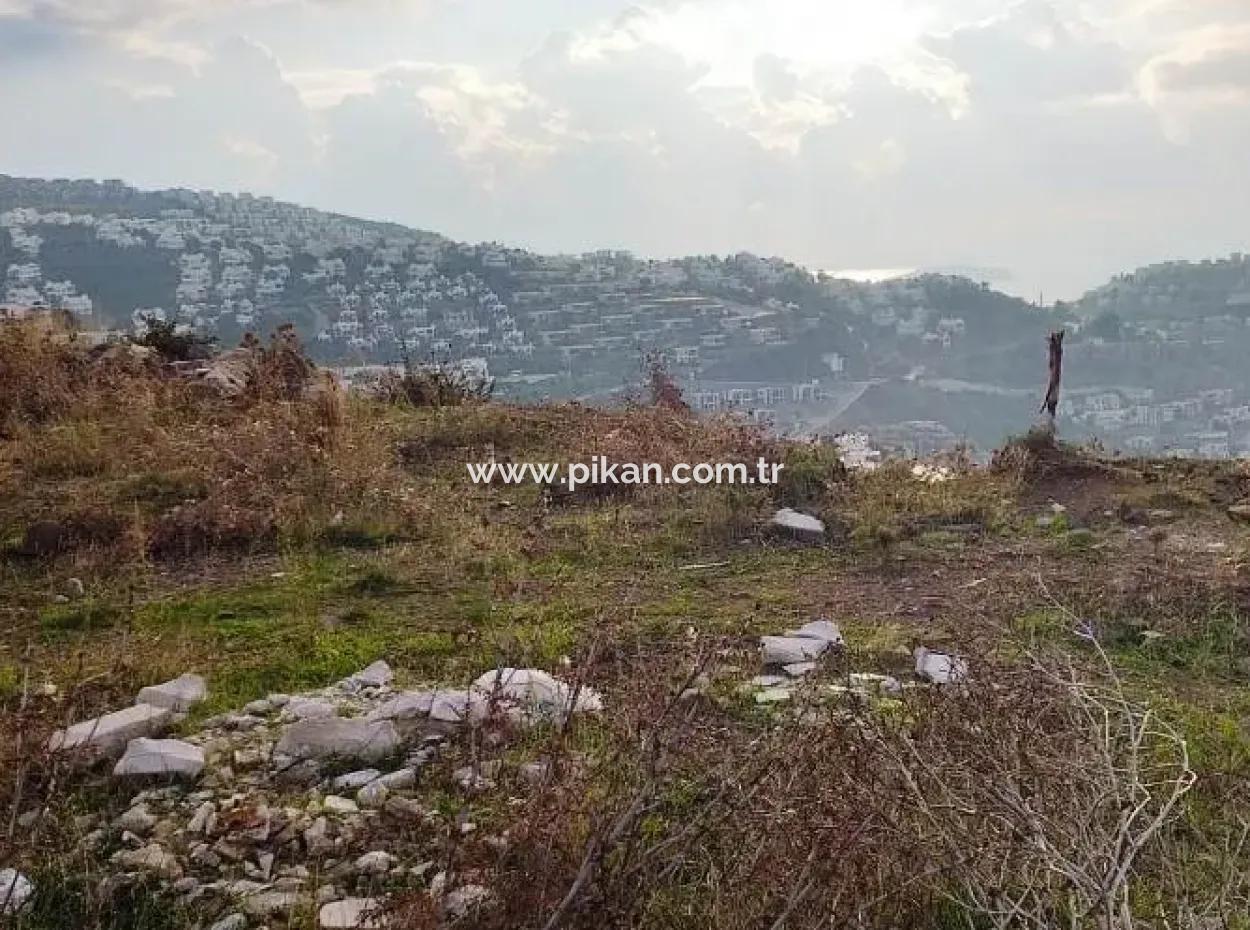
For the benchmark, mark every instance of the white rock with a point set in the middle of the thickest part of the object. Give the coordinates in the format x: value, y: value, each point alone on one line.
x: 259, y: 706
x: 317, y: 837
x: 271, y: 903
x: 409, y: 705
x: 338, y: 737
x: 15, y: 890
x: 799, y: 669
x: 787, y: 650
x: 378, y: 862
x: 339, y: 805
x: 138, y: 819
x: 111, y: 732
x: 825, y: 630
x: 161, y: 757
x: 462, y: 901
x: 373, y: 795
x: 768, y: 681
x: 353, y: 780
x: 204, y: 816
x: 773, y: 696
x: 151, y: 858
x: 537, y: 692
x: 350, y: 914
x: 938, y: 667
x: 400, y: 779
x: 182, y: 693
x: 374, y: 676
x: 300, y: 708
x: 231, y: 922
x: 799, y: 525
x: 457, y: 706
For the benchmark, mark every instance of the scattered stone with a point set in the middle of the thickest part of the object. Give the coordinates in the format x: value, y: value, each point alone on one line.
x: 265, y: 862
x: 353, y: 780
x: 74, y: 589
x: 824, y: 630
x: 317, y: 837
x: 15, y: 890
x: 139, y: 819
x: 204, y: 856
x: 404, y: 808
x: 204, y: 819
x: 537, y: 692
x: 338, y: 805
x: 1240, y: 512
x: 409, y: 705
x: 271, y: 903
x: 111, y: 732
x: 350, y: 914
x: 536, y: 772
x: 799, y: 669
x: 378, y: 862
x: 308, y: 709
x: 400, y: 779
x: 939, y: 668
x: 151, y: 858
x: 773, y: 696
x: 180, y: 694
x: 800, y: 526
x: 788, y: 650
x: 160, y: 757
x: 462, y: 901
x: 374, y: 676
x: 457, y: 706
x: 768, y: 681
x: 338, y: 737
x: 234, y: 921
x: 373, y: 795
x: 261, y: 706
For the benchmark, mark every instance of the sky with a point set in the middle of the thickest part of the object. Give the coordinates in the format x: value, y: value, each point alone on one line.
x: 1044, y: 145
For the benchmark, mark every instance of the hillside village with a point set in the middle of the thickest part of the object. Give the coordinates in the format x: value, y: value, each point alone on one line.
x: 922, y: 363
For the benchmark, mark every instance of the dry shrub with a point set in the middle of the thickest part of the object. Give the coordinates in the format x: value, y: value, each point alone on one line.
x: 1031, y: 799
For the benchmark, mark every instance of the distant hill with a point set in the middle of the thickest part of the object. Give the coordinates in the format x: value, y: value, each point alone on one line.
x: 738, y: 331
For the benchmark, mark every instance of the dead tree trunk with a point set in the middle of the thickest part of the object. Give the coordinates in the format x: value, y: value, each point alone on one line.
x: 1051, y: 403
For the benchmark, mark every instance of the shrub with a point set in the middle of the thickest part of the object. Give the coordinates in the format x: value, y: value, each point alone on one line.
x: 174, y: 342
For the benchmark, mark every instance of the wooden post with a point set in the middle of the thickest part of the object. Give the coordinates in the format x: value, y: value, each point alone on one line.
x: 1051, y: 403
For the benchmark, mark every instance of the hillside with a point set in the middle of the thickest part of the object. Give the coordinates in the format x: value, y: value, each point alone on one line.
x: 1082, y: 749
x: 1154, y: 358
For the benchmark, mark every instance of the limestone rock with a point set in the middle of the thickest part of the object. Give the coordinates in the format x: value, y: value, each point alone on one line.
x: 350, y: 914
x: 234, y: 921
x: 338, y: 737
x: 378, y: 862
x: 938, y: 667
x: 151, y: 858
x: 462, y: 901
x: 788, y: 650
x: 179, y: 694
x: 374, y: 676
x: 15, y: 890
x: 537, y: 692
x: 825, y: 630
x: 800, y: 526
x: 160, y: 757
x: 406, y: 706
x: 354, y: 780
x: 111, y: 732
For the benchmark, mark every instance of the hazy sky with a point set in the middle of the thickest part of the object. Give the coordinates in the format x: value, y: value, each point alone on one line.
x: 1059, y: 140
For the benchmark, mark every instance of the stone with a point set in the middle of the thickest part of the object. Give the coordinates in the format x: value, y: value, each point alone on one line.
x: 799, y: 669
x: 410, y: 705
x: 204, y: 819
x: 308, y: 709
x: 372, y: 795
x: 15, y: 890
x: 271, y: 903
x: 768, y: 681
x: 467, y: 779
x: 151, y: 858
x: 339, y: 737
x: 181, y: 693
x: 353, y: 780
x: 938, y: 667
x: 460, y: 902
x: 264, y: 861
x: 825, y: 630
x: 261, y: 706
x: 374, y: 676
x: 138, y: 819
x: 537, y: 692
x: 204, y: 856
x: 787, y: 650
x: 535, y: 773
x: 111, y: 732
x: 171, y: 758
x: 404, y: 808
x: 74, y: 589
x: 235, y: 921
x: 1240, y: 512
x: 797, y: 525
x: 457, y: 706
x: 378, y: 862
x: 400, y: 779
x: 317, y: 837
x: 350, y: 914
x: 338, y: 805
x: 773, y: 696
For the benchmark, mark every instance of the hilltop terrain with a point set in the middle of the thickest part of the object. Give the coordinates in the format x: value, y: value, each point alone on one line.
x: 1081, y: 760
x: 923, y: 363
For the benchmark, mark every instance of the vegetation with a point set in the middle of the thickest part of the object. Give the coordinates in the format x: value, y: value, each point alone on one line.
x: 1094, y: 772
